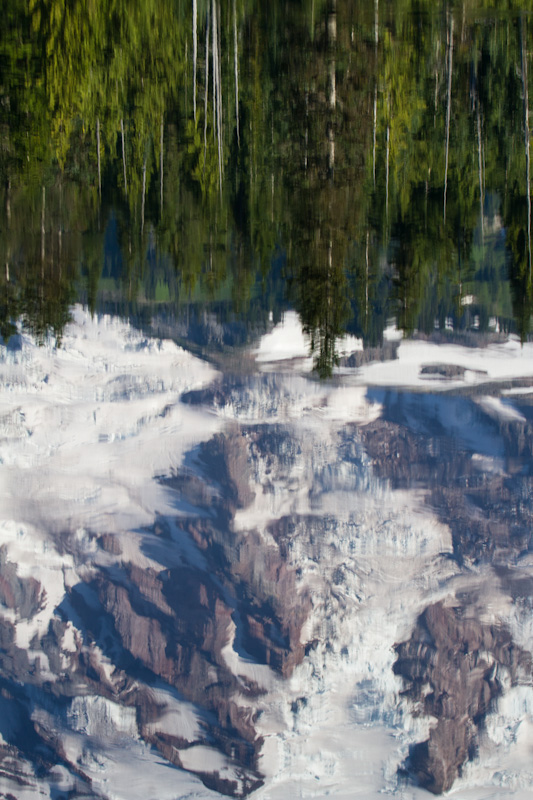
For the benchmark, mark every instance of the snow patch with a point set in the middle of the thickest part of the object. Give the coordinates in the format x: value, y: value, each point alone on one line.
x: 99, y: 717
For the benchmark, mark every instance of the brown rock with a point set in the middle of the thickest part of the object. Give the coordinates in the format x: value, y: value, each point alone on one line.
x: 459, y: 658
x: 110, y: 543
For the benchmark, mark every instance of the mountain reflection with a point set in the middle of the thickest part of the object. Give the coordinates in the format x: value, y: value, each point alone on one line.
x: 262, y: 580
x: 265, y: 400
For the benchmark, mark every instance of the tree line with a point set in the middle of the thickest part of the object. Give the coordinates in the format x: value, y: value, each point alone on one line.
x: 355, y: 161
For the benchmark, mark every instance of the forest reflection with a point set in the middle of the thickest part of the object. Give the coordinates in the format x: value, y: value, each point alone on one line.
x: 356, y: 162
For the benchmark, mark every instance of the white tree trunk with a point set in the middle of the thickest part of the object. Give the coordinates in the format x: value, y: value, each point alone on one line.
x: 332, y: 83
x: 215, y: 71
x: 124, y: 156
x: 387, y: 176
x: 161, y: 142
x: 374, y: 134
x: 206, y: 98
x: 236, y: 69
x: 43, y: 207
x: 448, y: 112
x: 98, y: 152
x: 480, y: 176
x: 217, y: 98
x: 194, y: 52
x: 525, y: 90
x: 143, y: 196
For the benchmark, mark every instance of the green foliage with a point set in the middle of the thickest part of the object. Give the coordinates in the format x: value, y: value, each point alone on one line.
x: 376, y: 151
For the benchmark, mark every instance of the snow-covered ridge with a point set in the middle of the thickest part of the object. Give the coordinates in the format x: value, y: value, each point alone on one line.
x: 417, y: 364
x: 93, y: 421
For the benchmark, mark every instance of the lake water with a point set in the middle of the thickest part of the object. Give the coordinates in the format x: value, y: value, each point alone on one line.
x: 266, y: 400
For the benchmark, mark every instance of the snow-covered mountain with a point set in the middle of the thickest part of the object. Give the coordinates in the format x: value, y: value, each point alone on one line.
x: 254, y: 583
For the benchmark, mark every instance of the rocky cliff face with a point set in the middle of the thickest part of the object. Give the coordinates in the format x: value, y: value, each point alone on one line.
x: 174, y: 623
x: 453, y: 667
x: 488, y: 510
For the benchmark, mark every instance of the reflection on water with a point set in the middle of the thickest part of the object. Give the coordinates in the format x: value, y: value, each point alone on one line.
x: 220, y: 575
x: 356, y: 163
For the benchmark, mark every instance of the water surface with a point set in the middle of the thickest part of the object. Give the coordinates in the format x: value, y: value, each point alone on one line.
x: 265, y: 400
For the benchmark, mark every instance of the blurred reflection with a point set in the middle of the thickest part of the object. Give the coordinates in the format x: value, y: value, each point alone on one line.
x: 358, y: 163
x: 224, y: 580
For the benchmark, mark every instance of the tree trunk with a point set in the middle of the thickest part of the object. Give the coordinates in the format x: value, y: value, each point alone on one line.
x: 8, y: 202
x: 436, y: 99
x: 219, y: 83
x: 387, y: 176
x: 98, y: 152
x: 306, y: 138
x: 236, y: 69
x: 43, y: 240
x: 374, y: 135
x: 143, y: 196
x: 194, y: 52
x: 215, y: 71
x: 206, y: 98
x: 8, y: 215
x: 525, y: 90
x: 161, y: 142
x: 124, y: 156
x: 217, y: 98
x: 366, y: 280
x: 480, y: 175
x: 59, y: 230
x: 375, y: 124
x: 332, y: 84
x: 448, y: 112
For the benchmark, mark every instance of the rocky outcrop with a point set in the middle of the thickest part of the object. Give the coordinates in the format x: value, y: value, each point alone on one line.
x: 175, y: 623
x: 140, y: 635
x: 453, y: 667
x: 110, y: 543
x: 490, y: 514
x: 14, y: 661
x: 447, y: 371
x: 173, y: 627
x: 387, y: 352
x: 26, y: 595
x: 225, y: 457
